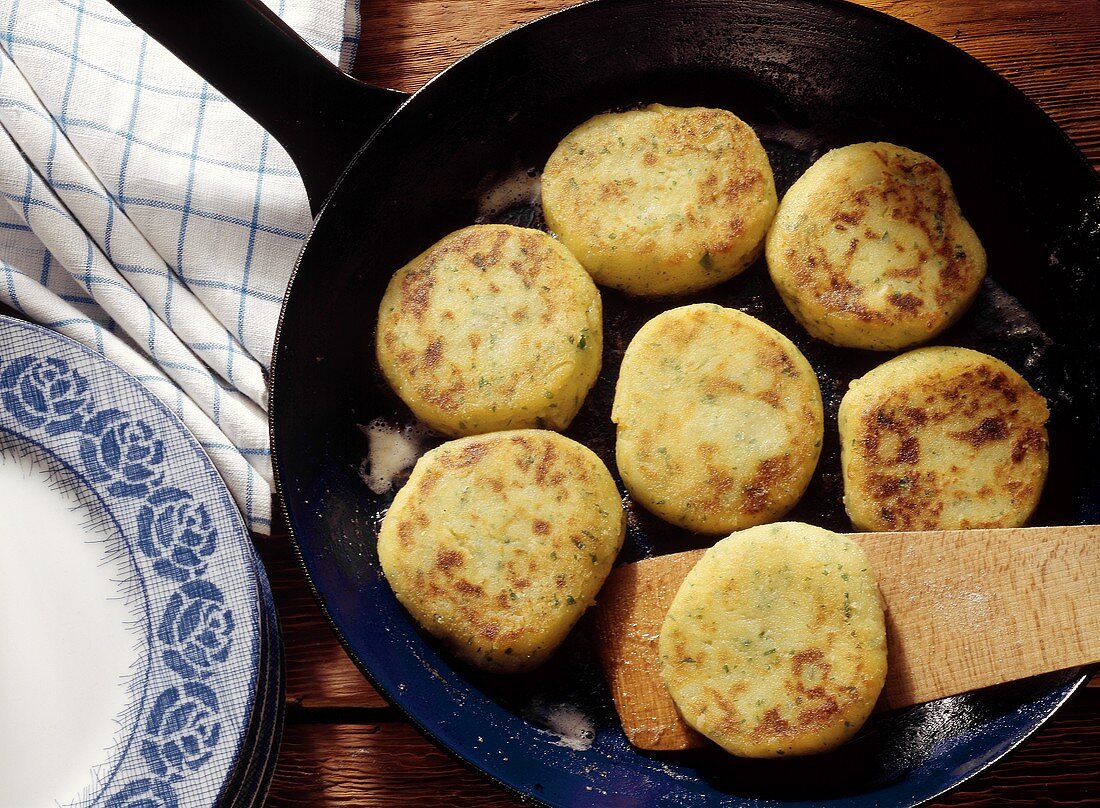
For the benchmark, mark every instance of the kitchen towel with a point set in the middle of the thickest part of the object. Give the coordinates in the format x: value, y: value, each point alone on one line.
x: 148, y: 218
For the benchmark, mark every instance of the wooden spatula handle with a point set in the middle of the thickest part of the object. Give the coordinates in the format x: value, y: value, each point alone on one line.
x: 964, y: 610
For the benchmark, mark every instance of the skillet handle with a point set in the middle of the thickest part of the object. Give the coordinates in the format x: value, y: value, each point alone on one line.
x: 321, y: 116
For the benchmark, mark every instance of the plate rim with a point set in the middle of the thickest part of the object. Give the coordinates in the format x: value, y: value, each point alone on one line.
x: 228, y: 525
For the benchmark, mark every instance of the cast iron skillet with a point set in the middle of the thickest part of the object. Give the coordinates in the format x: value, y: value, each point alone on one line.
x: 808, y: 76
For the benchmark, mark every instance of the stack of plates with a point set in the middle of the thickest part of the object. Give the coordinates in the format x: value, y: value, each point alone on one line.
x: 140, y: 662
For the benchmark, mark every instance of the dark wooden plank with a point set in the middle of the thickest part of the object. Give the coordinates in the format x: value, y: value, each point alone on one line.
x: 373, y: 764
x: 1060, y: 765
x: 319, y: 672
x: 1050, y: 49
x: 389, y: 763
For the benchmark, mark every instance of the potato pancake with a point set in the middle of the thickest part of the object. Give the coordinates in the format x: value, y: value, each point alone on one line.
x: 942, y: 438
x: 661, y: 200
x: 775, y: 643
x: 498, y: 543
x: 719, y: 419
x: 870, y: 250
x: 493, y: 327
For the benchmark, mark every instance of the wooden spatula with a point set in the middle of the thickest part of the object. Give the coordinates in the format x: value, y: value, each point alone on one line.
x: 964, y: 610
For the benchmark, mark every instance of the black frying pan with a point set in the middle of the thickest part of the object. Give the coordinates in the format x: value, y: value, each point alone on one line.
x: 808, y: 76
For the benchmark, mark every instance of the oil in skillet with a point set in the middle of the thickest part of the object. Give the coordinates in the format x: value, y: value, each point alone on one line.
x: 393, y: 449
x: 515, y: 195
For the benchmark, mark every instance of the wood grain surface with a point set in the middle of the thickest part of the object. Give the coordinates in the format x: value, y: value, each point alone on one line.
x: 1049, y: 49
x: 964, y: 610
x: 343, y: 746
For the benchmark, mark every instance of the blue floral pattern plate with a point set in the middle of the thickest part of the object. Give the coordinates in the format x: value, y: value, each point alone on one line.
x: 199, y: 606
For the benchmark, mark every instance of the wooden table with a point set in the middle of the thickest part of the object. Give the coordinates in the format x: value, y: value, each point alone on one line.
x: 343, y: 745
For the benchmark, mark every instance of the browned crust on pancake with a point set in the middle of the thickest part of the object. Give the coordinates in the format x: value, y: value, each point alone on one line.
x: 501, y: 572
x: 522, y: 352
x: 691, y: 478
x: 912, y: 449
x: 905, y: 205
x: 775, y: 642
x: 661, y: 200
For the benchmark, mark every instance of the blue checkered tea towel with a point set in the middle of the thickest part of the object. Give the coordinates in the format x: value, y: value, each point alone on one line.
x: 149, y: 218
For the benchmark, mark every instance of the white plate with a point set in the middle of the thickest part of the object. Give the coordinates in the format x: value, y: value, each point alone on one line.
x: 130, y: 606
